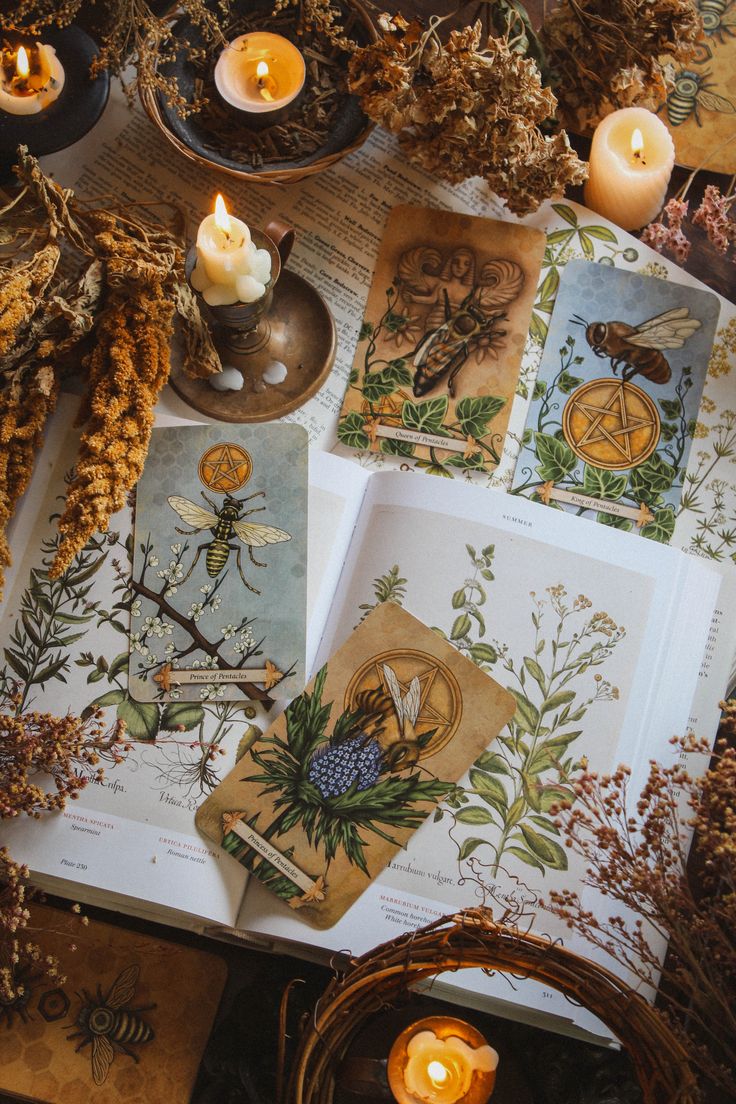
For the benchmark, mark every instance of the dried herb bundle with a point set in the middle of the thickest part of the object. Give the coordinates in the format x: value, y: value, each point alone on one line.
x: 131, y: 32
x: 608, y: 54
x: 463, y: 109
x: 641, y: 862
x: 123, y: 280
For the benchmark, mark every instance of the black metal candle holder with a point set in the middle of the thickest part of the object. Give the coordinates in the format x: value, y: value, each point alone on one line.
x: 76, y: 110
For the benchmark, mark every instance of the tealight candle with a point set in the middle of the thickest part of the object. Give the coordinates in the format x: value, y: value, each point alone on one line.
x: 30, y: 79
x: 631, y: 159
x: 230, y: 268
x: 441, y: 1060
x: 260, y: 74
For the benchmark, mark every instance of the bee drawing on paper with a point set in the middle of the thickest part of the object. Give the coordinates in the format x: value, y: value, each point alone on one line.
x: 106, y: 1023
x: 225, y: 523
x: 464, y: 310
x: 639, y: 348
x: 691, y: 92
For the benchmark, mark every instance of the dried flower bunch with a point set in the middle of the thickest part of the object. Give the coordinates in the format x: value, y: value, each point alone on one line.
x: 66, y: 752
x: 636, y: 851
x: 114, y: 302
x: 463, y: 108
x: 131, y: 32
x: 607, y: 54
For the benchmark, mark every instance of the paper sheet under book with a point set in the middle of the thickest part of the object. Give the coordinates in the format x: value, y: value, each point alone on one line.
x: 318, y: 806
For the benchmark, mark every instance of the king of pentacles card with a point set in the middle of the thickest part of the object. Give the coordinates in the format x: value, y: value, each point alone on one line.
x: 438, y: 355
x: 219, y: 567
x: 614, y: 409
x: 322, y: 801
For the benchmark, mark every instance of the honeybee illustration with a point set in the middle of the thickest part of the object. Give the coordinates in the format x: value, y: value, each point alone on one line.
x: 108, y: 1025
x: 443, y: 351
x: 464, y: 309
x: 718, y: 18
x: 225, y: 522
x: 689, y: 94
x: 638, y: 348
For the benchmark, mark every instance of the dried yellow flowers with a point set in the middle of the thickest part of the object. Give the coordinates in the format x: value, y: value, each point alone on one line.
x: 121, y: 300
x: 463, y: 109
x: 608, y: 54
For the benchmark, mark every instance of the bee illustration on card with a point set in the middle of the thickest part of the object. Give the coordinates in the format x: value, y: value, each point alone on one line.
x: 638, y: 349
x: 110, y: 1025
x: 464, y: 310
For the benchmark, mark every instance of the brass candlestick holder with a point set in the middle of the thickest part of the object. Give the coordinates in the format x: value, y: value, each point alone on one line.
x: 289, y: 328
x: 241, y: 329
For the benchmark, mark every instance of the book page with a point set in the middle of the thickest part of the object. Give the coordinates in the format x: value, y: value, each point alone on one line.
x: 65, y: 645
x: 586, y: 630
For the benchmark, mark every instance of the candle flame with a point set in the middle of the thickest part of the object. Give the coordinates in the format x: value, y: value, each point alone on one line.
x: 438, y: 1073
x: 222, y: 218
x: 262, y: 70
x: 637, y: 142
x: 22, y: 66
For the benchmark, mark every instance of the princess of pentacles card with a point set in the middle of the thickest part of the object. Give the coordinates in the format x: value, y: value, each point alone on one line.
x: 614, y: 409
x: 321, y: 802
x: 438, y: 355
x: 219, y: 566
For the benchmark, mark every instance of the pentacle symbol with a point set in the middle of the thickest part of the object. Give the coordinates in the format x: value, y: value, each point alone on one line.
x: 423, y: 696
x: 225, y: 467
x: 611, y: 424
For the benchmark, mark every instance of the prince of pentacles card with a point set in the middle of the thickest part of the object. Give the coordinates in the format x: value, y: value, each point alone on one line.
x: 438, y: 355
x: 322, y: 801
x: 219, y: 565
x: 614, y: 409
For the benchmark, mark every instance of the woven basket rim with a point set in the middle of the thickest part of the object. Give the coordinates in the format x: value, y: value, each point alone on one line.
x: 472, y: 939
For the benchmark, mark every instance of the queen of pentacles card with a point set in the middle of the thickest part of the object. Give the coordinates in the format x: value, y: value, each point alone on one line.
x: 219, y: 565
x: 321, y: 802
x: 614, y: 410
x: 438, y: 355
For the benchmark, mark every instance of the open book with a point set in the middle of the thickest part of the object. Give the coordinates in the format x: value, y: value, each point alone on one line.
x: 608, y: 644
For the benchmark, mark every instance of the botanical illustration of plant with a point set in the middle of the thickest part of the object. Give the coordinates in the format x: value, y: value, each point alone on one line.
x: 647, y: 483
x: 389, y: 587
x: 532, y: 768
x: 335, y: 785
x: 56, y: 615
x: 383, y: 396
x: 712, y: 499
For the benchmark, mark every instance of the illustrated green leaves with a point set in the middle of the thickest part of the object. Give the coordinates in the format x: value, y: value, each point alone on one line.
x: 475, y: 413
x: 426, y: 416
x: 556, y: 458
x: 351, y: 431
x: 603, y: 484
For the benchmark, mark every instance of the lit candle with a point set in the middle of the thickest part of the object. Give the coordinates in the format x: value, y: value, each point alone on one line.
x: 441, y: 1060
x: 30, y: 79
x: 631, y: 161
x: 261, y: 74
x: 230, y: 268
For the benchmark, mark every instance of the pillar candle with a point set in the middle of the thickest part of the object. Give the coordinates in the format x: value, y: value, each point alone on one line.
x: 631, y: 161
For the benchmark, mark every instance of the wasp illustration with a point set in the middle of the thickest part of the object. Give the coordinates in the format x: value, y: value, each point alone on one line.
x: 443, y: 351
x: 718, y: 18
x: 225, y: 522
x: 638, y: 348
x: 108, y: 1025
x: 690, y: 93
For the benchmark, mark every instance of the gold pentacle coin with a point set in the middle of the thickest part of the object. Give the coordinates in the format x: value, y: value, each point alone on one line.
x: 611, y: 424
x: 416, y: 694
x: 225, y: 467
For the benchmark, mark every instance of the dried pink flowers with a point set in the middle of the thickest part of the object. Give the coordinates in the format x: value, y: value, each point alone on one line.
x: 713, y: 215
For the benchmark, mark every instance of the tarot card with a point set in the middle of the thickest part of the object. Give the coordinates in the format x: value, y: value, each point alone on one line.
x: 612, y: 419
x: 439, y: 351
x: 124, y: 1021
x: 219, y: 566
x: 318, y: 805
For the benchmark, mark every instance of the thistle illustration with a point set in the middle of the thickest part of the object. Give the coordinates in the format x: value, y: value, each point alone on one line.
x: 339, y: 786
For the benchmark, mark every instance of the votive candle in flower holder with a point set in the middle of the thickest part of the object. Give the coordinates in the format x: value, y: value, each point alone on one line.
x: 441, y: 1060
x: 261, y: 76
x: 631, y: 160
